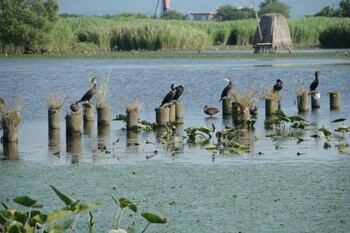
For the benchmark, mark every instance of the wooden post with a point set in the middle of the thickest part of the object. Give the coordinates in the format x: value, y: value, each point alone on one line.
x: 131, y: 138
x: 88, y: 112
x: 315, y: 99
x: 73, y: 125
x: 227, y: 106
x: 271, y: 106
x: 11, y: 150
x: 172, y: 113
x: 239, y: 113
x: 162, y: 116
x: 132, y: 119
x: 10, y: 133
x: 302, y: 101
x: 54, y: 118
x: 334, y: 100
x: 103, y: 116
x: 88, y: 128
x: 103, y: 131
x: 179, y: 110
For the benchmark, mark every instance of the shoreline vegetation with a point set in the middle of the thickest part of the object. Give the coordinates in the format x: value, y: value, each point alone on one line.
x: 100, y: 36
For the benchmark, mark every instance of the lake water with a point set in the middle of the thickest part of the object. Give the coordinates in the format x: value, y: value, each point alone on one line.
x: 273, y: 184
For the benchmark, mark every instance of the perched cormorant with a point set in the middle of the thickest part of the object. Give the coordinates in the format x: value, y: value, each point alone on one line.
x: 170, y: 96
x: 314, y: 84
x: 178, y: 92
x: 74, y: 107
x: 210, y: 110
x: 226, y: 90
x: 90, y: 93
x: 278, y: 86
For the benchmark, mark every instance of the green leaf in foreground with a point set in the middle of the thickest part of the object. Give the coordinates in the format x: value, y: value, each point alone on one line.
x: 153, y: 218
x: 67, y: 200
x: 339, y: 120
x: 27, y: 201
x: 52, y: 216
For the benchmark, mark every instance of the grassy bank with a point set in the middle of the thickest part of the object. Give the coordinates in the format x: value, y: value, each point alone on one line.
x: 95, y: 34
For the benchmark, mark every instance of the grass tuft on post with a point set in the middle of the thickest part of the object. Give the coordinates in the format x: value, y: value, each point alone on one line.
x: 11, y: 120
x: 55, y: 101
x: 102, y: 90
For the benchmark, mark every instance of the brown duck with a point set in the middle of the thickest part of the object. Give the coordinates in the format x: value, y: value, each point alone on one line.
x: 210, y: 110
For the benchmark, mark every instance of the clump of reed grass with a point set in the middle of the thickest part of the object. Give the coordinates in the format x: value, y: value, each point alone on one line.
x: 270, y: 94
x: 102, y: 90
x: 10, y: 118
x: 301, y: 89
x: 131, y: 105
x: 244, y: 98
x: 55, y: 101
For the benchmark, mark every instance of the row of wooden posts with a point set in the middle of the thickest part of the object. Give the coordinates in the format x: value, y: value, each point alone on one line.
x: 164, y: 115
x: 242, y: 113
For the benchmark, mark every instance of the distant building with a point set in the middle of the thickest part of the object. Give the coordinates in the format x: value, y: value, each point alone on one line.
x: 202, y: 16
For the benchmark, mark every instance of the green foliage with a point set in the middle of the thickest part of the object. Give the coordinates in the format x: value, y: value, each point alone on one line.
x: 228, y: 12
x: 342, y: 11
x: 172, y: 14
x: 274, y: 6
x: 25, y: 25
x: 337, y: 36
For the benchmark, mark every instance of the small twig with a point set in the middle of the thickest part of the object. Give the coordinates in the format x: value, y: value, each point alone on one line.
x: 146, y: 227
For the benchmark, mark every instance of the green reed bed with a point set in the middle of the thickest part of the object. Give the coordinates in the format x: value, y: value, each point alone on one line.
x: 96, y: 34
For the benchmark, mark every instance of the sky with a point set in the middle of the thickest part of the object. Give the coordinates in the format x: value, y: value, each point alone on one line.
x: 299, y: 8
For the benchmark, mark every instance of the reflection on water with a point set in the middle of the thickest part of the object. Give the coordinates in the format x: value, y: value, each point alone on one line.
x: 10, y: 150
x: 74, y: 148
x: 88, y: 128
x: 132, y: 138
x: 54, y: 140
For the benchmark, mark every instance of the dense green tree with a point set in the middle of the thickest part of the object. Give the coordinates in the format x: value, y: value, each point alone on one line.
x: 25, y: 24
x: 172, y: 14
x: 228, y: 12
x: 342, y: 11
x: 344, y: 8
x: 274, y: 6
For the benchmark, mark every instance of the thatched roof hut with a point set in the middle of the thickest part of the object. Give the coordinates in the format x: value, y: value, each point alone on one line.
x: 273, y: 34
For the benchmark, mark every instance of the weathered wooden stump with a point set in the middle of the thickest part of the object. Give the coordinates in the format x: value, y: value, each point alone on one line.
x: 88, y: 112
x: 179, y: 110
x: 302, y: 102
x: 103, y: 116
x: 54, y: 138
x: 334, y: 100
x: 162, y: 116
x: 132, y: 117
x: 10, y: 133
x: 10, y: 150
x: 239, y: 112
x: 74, y: 125
x: 172, y: 113
x: 54, y: 116
x: 271, y: 106
x: 227, y: 106
x: 315, y: 100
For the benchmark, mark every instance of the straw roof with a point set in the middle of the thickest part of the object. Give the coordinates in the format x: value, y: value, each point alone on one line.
x: 274, y: 30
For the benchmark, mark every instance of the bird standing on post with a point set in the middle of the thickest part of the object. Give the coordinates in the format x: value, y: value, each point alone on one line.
x: 90, y: 93
x: 178, y: 92
x: 314, y: 84
x: 170, y: 96
x: 226, y: 90
x: 210, y: 110
x: 278, y: 86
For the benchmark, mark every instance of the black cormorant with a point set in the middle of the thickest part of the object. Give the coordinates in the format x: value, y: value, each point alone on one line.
x: 278, y: 86
x: 170, y: 96
x: 210, y: 110
x: 226, y: 90
x: 90, y: 93
x: 178, y: 92
x: 314, y: 84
